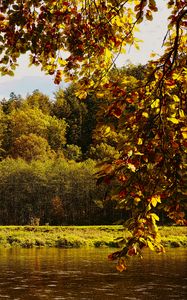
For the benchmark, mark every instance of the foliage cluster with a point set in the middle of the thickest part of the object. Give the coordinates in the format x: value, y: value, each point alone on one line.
x: 37, y: 127
x: 145, y: 121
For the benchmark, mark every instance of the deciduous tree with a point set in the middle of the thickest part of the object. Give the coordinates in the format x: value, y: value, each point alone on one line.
x: 39, y: 100
x: 26, y: 121
x: 74, y: 111
x: 152, y: 169
x: 30, y: 147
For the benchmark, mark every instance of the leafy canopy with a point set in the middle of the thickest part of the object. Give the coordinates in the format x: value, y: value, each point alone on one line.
x: 89, y: 31
x: 151, y: 171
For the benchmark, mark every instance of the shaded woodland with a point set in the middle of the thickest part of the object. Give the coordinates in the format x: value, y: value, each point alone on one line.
x: 50, y: 150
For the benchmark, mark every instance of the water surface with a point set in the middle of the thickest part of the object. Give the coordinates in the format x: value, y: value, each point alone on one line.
x: 56, y: 274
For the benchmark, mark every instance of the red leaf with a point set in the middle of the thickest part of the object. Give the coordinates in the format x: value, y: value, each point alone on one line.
x: 117, y: 112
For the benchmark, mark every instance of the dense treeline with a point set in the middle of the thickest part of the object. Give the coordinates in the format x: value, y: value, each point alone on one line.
x: 54, y: 192
x: 49, y: 150
x: 37, y: 127
x: 41, y: 177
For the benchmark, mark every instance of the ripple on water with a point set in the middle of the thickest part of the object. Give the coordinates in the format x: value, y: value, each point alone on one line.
x: 72, y: 280
x: 52, y: 285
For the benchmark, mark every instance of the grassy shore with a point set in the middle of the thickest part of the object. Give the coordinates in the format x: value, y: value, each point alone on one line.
x: 79, y: 236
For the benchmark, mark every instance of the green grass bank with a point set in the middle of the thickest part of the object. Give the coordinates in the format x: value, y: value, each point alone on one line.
x: 79, y: 236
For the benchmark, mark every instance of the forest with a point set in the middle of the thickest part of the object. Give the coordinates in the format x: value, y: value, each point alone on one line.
x: 126, y: 126
x: 50, y: 150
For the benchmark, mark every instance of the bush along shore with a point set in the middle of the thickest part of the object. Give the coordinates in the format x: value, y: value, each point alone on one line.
x: 79, y: 236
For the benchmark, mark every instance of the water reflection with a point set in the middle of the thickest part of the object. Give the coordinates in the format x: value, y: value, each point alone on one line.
x: 56, y: 274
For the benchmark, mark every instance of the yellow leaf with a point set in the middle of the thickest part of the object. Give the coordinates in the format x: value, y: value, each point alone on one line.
x: 184, y: 132
x: 153, y: 54
x: 81, y: 94
x: 123, y: 51
x: 136, y: 46
x: 150, y: 245
x: 184, y: 129
x: 62, y: 62
x: 138, y: 153
x: 173, y: 106
x: 108, y: 54
x: 185, y: 70
x: 173, y: 120
x: 61, y: 26
x: 155, y: 104
x: 176, y: 98
x: 100, y: 95
x: 118, y: 21
x: 137, y: 199
x: 155, y: 199
x: 145, y: 114
x: 140, y: 141
x: 176, y: 76
x: 132, y: 167
x: 52, y: 60
x: 181, y: 113
x: 67, y: 79
x: 154, y: 216
x: 107, y: 130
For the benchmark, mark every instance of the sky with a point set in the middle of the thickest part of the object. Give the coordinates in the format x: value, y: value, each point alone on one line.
x: 27, y: 79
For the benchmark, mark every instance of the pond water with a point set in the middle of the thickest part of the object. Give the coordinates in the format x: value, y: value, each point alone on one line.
x: 56, y: 274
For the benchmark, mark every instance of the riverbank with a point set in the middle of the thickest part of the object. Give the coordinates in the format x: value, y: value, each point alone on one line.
x: 79, y: 236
